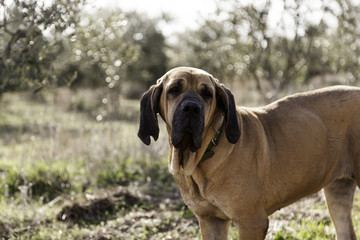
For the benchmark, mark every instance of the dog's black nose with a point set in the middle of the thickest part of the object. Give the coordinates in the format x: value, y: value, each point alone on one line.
x: 191, y: 108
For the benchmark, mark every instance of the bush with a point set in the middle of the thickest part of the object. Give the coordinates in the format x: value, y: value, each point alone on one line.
x: 47, y: 182
x: 11, y: 181
x: 113, y: 174
x: 43, y: 181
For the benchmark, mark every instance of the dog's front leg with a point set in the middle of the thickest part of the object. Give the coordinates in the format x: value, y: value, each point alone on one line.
x: 213, y: 228
x: 254, y: 231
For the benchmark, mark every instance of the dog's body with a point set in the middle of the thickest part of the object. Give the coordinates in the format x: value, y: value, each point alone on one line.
x: 266, y: 158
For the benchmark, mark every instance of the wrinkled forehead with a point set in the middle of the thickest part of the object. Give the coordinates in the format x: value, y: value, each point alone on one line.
x: 189, y: 75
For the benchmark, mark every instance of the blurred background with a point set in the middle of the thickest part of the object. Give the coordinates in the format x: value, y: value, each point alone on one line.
x: 71, y: 76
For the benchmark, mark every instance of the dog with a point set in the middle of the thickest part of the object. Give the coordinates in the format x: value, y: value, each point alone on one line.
x: 242, y: 164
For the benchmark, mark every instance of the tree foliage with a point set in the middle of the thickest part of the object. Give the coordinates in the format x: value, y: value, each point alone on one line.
x: 151, y: 62
x: 306, y: 40
x: 57, y: 44
x: 31, y: 39
x: 115, y: 48
x: 98, y: 51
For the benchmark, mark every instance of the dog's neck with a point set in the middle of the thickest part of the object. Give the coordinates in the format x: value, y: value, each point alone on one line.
x: 214, y: 141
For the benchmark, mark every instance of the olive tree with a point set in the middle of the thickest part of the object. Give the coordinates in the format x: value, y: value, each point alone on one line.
x: 31, y: 36
x: 277, y: 49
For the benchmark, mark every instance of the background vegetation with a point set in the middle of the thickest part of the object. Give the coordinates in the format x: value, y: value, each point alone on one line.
x: 71, y: 166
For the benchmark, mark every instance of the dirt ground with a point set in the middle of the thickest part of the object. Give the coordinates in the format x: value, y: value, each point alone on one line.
x: 132, y: 215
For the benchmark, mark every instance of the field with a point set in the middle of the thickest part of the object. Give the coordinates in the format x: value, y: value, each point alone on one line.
x: 68, y: 172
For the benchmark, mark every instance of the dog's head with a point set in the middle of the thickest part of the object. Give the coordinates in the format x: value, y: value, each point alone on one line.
x: 187, y: 99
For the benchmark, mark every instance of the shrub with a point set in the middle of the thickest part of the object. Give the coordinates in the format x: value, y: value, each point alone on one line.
x: 43, y: 181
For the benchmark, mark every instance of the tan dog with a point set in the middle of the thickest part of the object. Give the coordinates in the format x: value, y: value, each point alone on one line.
x: 265, y: 158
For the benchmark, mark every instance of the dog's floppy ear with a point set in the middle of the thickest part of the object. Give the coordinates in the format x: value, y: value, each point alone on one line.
x: 226, y: 103
x: 148, y: 109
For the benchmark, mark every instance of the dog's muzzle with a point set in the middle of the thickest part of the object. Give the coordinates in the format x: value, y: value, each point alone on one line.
x: 188, y: 123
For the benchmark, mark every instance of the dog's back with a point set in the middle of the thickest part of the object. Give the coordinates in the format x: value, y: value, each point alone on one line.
x: 314, y: 137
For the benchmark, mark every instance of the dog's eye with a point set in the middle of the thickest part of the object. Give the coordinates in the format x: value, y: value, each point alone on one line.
x: 175, y: 90
x: 206, y: 94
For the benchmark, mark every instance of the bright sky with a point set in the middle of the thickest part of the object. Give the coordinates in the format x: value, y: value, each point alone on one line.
x: 188, y: 13
x: 185, y: 13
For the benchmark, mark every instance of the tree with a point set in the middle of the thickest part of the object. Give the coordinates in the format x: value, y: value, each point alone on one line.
x: 211, y: 47
x: 110, y: 49
x: 244, y: 42
x: 100, y: 56
x: 31, y: 39
x: 343, y: 44
x: 98, y: 51
x: 115, y: 48
x: 151, y: 61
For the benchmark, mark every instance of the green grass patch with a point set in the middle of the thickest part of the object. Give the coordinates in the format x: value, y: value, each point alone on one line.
x: 115, y: 173
x: 306, y: 230
x: 39, y: 181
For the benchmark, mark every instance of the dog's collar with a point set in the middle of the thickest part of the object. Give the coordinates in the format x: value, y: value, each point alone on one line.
x: 208, y: 152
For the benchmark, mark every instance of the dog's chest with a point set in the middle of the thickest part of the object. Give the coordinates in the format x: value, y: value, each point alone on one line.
x: 204, y: 206
x: 199, y: 198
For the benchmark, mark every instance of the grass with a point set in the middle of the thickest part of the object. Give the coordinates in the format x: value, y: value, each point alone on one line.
x: 66, y: 174
x: 54, y: 155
